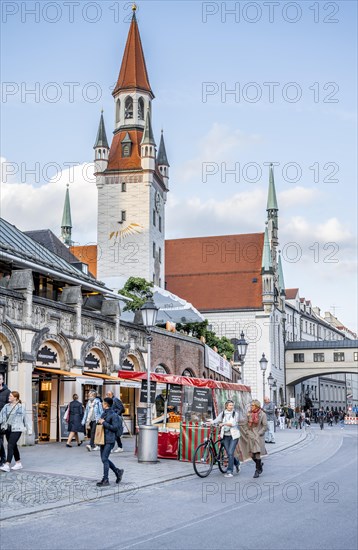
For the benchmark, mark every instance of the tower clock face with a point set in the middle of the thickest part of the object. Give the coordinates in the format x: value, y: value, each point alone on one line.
x: 157, y: 201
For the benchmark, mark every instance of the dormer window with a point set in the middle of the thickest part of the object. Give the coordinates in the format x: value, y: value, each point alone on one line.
x: 126, y: 146
x: 141, y: 109
x: 128, y: 108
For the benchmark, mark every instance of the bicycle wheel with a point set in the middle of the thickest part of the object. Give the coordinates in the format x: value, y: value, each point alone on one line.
x: 223, y: 459
x: 203, y: 460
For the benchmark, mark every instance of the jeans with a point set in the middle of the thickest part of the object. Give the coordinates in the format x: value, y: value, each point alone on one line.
x: 107, y: 464
x: 282, y: 422
x: 12, y: 449
x: 230, y: 446
x: 2, y: 450
x: 269, y: 435
x: 92, y: 428
x: 119, y: 442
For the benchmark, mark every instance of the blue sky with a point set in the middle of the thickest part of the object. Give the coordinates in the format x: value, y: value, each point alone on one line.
x: 188, y: 44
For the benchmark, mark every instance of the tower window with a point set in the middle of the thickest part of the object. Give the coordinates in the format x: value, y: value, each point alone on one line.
x: 160, y: 223
x: 118, y: 110
x: 141, y: 109
x: 160, y: 255
x: 124, y: 187
x: 153, y: 250
x: 154, y: 218
x: 128, y: 108
x: 123, y: 216
x: 126, y: 150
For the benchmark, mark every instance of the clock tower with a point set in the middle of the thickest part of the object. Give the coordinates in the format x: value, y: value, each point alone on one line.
x: 133, y: 180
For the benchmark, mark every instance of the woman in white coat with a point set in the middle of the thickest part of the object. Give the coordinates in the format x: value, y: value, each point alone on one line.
x: 230, y: 433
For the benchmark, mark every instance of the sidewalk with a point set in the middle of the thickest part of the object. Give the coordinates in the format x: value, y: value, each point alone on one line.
x: 56, y: 476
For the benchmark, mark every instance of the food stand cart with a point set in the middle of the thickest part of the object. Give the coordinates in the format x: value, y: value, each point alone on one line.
x: 188, y: 404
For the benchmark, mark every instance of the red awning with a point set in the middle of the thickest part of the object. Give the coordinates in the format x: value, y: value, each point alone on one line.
x: 183, y: 380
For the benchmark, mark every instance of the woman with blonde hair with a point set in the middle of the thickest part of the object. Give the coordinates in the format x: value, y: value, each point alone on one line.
x: 14, y: 421
x: 256, y: 428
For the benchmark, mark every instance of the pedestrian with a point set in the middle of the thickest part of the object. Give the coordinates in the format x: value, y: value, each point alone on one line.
x: 4, y: 399
x: 320, y: 417
x: 257, y: 426
x: 111, y: 424
x: 75, y: 415
x: 269, y: 409
x: 228, y: 420
x: 118, y: 407
x: 14, y: 420
x: 282, y: 418
x: 93, y: 412
x: 342, y: 416
x: 308, y: 417
x: 289, y: 417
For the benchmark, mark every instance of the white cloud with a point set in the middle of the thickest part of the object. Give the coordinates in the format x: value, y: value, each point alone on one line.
x: 297, y: 196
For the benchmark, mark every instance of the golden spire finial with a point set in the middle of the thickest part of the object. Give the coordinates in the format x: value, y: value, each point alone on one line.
x: 134, y: 7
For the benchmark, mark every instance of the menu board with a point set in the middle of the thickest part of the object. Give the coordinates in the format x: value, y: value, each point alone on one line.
x: 175, y: 391
x: 200, y: 400
x: 63, y: 425
x: 141, y: 416
x: 143, y: 391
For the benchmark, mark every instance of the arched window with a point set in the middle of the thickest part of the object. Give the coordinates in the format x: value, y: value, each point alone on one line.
x: 99, y: 153
x: 141, y: 109
x: 128, y: 108
x: 118, y: 110
x: 146, y: 151
x: 188, y: 372
x: 160, y: 369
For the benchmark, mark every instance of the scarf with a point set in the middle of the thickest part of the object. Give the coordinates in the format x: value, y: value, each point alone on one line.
x: 253, y: 417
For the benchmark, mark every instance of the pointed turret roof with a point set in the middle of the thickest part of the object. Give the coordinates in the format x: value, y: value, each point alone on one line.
x: 266, y: 254
x: 271, y: 199
x: 66, y: 217
x: 148, y: 136
x: 133, y: 73
x: 101, y: 139
x: 162, y: 158
x: 281, y: 280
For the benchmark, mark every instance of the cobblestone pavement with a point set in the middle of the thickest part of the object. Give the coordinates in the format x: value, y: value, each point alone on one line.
x: 55, y: 476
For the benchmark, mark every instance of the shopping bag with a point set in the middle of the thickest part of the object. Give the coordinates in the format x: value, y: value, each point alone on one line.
x: 99, y: 435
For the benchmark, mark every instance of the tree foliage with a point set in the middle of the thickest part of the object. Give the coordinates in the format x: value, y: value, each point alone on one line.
x: 137, y: 289
x: 223, y: 344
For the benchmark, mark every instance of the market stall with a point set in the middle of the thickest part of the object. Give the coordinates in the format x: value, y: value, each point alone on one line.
x: 183, y: 407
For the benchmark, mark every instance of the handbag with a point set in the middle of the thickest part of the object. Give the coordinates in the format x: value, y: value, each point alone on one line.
x: 4, y: 426
x: 66, y: 416
x: 99, y: 435
x: 235, y: 433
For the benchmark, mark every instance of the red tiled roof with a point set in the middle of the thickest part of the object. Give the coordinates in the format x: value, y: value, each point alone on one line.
x: 115, y: 159
x: 291, y: 293
x: 216, y: 273
x: 133, y: 73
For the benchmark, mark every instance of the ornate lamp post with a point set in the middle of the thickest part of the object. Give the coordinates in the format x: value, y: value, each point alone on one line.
x: 148, y: 434
x: 263, y: 365
x: 240, y: 352
x: 270, y: 381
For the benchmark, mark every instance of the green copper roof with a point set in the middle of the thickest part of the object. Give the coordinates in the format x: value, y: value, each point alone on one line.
x: 266, y: 254
x: 281, y: 280
x: 101, y: 139
x: 148, y: 136
x: 66, y: 217
x: 271, y: 199
x: 162, y: 158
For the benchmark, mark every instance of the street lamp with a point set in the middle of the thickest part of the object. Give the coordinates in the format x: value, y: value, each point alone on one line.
x: 263, y: 365
x: 270, y: 381
x: 240, y: 352
x: 148, y: 434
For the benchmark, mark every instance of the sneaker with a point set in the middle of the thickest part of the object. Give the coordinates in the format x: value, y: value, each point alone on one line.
x: 119, y: 474
x: 18, y: 466
x: 228, y: 475
x: 119, y: 450
x: 97, y: 448
x: 102, y: 483
x: 89, y: 448
x: 5, y: 468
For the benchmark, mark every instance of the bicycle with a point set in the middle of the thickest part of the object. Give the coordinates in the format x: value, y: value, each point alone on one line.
x: 206, y: 455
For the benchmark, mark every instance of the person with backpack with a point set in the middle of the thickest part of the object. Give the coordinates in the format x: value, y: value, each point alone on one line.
x: 118, y: 407
x: 111, y: 423
x: 228, y: 420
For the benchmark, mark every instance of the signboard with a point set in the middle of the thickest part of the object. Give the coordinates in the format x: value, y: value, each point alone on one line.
x: 64, y: 433
x: 141, y: 416
x: 200, y: 400
x: 217, y: 363
x: 174, y: 398
x: 46, y: 356
x: 91, y: 362
x: 127, y: 365
x: 143, y: 391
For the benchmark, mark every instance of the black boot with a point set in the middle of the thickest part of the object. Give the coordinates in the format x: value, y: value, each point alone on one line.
x: 257, y: 473
x: 260, y: 465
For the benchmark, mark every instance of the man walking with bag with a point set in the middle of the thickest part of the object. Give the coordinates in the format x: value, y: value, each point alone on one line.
x: 111, y: 423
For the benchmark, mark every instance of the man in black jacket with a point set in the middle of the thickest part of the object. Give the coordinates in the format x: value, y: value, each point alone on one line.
x: 118, y: 407
x: 4, y: 398
x: 110, y: 421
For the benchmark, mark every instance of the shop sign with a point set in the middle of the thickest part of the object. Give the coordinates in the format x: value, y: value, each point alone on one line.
x: 174, y: 398
x: 143, y: 391
x: 141, y: 416
x: 127, y: 365
x: 200, y: 400
x: 91, y: 362
x: 46, y: 356
x: 217, y: 363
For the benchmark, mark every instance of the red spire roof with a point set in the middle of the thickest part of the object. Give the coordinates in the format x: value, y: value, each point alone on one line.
x: 133, y: 73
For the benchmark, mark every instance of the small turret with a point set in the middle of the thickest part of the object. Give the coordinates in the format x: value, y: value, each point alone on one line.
x: 148, y: 146
x: 66, y: 225
x: 162, y: 161
x: 268, y: 292
x: 101, y: 148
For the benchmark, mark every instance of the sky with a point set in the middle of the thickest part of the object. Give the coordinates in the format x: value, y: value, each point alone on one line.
x: 238, y: 85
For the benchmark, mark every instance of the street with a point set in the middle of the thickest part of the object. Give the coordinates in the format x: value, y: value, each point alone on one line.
x: 305, y: 499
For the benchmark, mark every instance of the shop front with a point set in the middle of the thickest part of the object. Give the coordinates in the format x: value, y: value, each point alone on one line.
x: 181, y: 405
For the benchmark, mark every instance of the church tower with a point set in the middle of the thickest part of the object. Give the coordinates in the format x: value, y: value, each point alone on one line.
x: 131, y: 181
